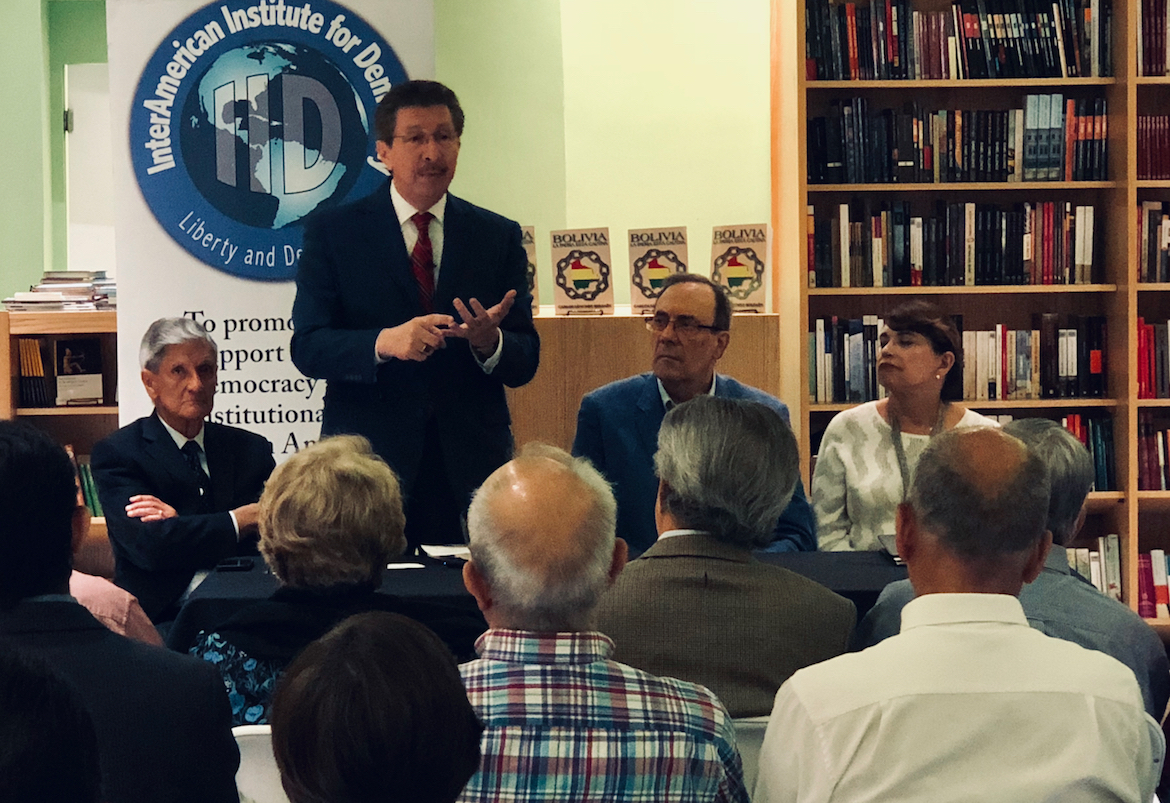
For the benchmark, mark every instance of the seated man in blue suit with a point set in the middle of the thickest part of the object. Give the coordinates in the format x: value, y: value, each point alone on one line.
x: 179, y: 492
x: 617, y: 425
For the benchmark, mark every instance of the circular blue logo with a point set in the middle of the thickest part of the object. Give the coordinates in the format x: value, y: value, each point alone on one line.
x: 249, y: 117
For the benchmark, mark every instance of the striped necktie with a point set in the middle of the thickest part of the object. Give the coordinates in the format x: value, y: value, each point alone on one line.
x: 422, y: 260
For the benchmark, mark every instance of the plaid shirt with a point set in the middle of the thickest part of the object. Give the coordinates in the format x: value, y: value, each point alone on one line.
x: 564, y: 722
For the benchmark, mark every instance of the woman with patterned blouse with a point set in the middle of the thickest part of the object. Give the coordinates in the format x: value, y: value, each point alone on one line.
x: 330, y: 520
x: 868, y: 453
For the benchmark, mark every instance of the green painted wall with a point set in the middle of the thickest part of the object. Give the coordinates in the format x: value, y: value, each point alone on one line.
x: 666, y: 118
x: 24, y: 193
x: 77, y: 35
x: 503, y: 59
x: 580, y: 113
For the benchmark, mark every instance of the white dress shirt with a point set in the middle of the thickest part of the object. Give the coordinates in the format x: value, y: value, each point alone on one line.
x: 967, y: 703
x: 405, y: 212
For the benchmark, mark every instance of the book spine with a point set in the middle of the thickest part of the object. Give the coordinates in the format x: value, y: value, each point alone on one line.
x: 1146, y: 601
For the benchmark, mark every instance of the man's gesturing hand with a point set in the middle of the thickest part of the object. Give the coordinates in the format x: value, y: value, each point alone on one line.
x: 481, y: 326
x: 416, y: 339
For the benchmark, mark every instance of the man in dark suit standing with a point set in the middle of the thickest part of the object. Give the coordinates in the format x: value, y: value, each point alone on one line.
x: 179, y: 492
x: 162, y: 720
x: 617, y: 425
x: 697, y: 605
x: 412, y: 304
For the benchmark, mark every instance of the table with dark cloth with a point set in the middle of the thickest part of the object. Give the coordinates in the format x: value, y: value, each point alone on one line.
x: 224, y: 593
x: 858, y: 576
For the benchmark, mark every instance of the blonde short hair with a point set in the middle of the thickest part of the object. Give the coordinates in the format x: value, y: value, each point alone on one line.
x: 331, y: 514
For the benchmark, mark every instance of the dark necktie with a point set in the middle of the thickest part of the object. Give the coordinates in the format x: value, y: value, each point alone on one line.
x: 422, y: 260
x: 191, y: 452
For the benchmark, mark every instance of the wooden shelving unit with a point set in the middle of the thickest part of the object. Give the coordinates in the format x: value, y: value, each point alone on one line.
x: 81, y: 426
x: 1142, y: 519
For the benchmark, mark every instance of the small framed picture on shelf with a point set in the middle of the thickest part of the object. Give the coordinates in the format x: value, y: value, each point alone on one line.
x: 78, y: 362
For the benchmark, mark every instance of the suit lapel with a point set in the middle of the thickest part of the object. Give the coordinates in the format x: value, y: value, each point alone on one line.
x: 650, y: 414
x: 220, y: 466
x: 386, y: 247
x: 161, y: 447
x: 457, y: 253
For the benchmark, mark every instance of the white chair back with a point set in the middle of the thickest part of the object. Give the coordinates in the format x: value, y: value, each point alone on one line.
x: 257, y: 779
x: 749, y: 734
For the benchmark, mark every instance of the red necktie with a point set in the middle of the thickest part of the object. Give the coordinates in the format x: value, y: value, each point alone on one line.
x: 422, y: 260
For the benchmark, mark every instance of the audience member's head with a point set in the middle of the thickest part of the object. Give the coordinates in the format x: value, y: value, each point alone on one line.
x: 1070, y: 472
x: 38, y: 497
x: 375, y: 710
x: 542, y: 542
x: 331, y: 515
x: 48, y: 750
x: 179, y: 370
x: 727, y: 467
x: 976, y: 516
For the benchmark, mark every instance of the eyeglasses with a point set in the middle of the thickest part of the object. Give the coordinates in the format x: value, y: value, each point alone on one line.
x: 684, y: 325
x: 442, y: 138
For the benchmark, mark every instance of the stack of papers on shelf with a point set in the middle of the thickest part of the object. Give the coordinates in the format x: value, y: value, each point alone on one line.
x: 67, y: 290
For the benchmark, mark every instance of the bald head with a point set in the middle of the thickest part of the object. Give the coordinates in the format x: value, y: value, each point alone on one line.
x: 542, y: 539
x: 981, y: 492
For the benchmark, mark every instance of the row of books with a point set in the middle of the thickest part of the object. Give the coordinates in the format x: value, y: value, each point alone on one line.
x: 1153, y: 232
x: 60, y: 371
x: 1100, y: 566
x: 1153, y: 588
x: 1153, y: 460
x: 1096, y: 433
x: 888, y: 40
x: 85, y: 482
x: 1153, y: 146
x: 1059, y: 357
x: 1152, y: 43
x: 1153, y: 360
x: 76, y: 290
x: 862, y: 244
x: 1050, y: 138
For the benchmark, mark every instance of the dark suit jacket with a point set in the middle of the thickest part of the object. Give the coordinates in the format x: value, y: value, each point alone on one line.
x: 617, y: 428
x: 155, y: 561
x: 162, y: 719
x: 700, y: 610
x: 354, y: 280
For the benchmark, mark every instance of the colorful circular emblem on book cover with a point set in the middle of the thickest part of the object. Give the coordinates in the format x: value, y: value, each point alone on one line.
x: 650, y: 270
x: 740, y: 270
x: 247, y: 118
x: 583, y: 275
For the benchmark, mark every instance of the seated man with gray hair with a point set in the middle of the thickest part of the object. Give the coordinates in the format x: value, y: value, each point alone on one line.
x: 179, y: 491
x: 563, y: 721
x: 967, y: 702
x: 696, y: 605
x: 1058, y: 602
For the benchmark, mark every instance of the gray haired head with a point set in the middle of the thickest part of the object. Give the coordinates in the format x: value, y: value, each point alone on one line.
x: 981, y: 492
x: 542, y: 533
x: 1070, y: 470
x: 170, y: 332
x: 729, y: 468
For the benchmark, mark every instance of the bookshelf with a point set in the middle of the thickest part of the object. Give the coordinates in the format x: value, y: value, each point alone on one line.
x: 1140, y: 518
x: 81, y: 426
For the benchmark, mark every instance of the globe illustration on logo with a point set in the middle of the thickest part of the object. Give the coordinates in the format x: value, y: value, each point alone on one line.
x: 272, y: 131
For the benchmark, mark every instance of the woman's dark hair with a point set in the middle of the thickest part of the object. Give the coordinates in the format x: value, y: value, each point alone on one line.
x: 936, y: 326
x: 374, y: 710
